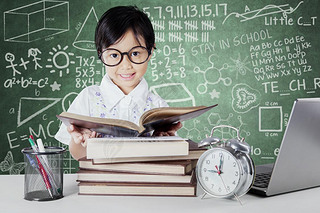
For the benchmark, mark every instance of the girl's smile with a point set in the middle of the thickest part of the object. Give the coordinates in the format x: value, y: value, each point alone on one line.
x: 127, y: 75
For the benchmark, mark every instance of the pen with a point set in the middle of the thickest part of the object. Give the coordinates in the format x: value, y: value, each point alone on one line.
x: 45, y: 164
x: 44, y: 177
x: 32, y: 163
x: 33, y: 145
x: 43, y: 167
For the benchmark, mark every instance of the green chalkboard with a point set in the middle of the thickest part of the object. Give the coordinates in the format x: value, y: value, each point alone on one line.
x: 253, y: 58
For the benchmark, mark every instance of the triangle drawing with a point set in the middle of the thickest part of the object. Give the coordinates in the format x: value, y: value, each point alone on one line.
x: 31, y: 107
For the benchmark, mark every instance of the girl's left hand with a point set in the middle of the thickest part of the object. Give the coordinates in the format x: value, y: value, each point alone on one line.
x: 168, y: 131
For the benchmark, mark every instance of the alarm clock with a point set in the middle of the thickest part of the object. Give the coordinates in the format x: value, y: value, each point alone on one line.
x: 226, y: 169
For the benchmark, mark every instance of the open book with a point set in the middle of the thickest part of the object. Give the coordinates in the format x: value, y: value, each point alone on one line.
x: 150, y: 120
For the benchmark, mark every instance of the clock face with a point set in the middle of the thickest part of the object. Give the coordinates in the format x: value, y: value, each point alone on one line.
x: 218, y: 172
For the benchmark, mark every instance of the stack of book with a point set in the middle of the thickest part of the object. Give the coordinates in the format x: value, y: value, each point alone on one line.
x: 131, y: 165
x: 153, y: 166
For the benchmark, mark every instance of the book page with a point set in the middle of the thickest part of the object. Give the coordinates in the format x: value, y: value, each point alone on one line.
x: 101, y: 125
x: 110, y: 121
x: 165, y: 112
x: 140, y: 139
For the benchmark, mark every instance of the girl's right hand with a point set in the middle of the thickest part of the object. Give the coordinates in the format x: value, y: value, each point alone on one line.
x: 80, y: 135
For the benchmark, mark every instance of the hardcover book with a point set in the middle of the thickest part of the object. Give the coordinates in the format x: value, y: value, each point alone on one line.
x: 194, y: 153
x: 181, y: 167
x: 140, y: 189
x: 103, y: 176
x: 119, y: 147
x: 150, y: 120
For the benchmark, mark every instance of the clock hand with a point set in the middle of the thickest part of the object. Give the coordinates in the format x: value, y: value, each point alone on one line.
x: 221, y: 163
x: 211, y: 170
x: 218, y: 171
x: 234, y: 194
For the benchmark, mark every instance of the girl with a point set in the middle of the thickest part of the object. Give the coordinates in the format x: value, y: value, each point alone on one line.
x: 125, y: 42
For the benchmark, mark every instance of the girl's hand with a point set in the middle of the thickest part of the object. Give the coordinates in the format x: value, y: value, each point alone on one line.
x: 168, y: 131
x: 80, y: 135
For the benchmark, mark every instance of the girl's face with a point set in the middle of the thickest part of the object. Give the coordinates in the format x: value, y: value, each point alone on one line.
x: 127, y: 75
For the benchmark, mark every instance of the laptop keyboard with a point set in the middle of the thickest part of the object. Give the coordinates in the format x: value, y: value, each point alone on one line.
x: 262, y: 180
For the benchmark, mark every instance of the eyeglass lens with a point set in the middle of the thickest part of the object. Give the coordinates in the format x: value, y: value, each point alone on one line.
x: 112, y: 57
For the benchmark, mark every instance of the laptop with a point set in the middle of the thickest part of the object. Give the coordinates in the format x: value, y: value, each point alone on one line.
x: 297, y: 166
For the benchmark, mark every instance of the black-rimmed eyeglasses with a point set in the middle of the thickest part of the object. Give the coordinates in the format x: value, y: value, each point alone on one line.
x: 137, y: 55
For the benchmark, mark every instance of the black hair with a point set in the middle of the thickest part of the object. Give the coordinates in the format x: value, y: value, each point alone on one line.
x: 115, y: 22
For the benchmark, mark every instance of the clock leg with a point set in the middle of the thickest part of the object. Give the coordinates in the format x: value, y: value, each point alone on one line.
x: 237, y: 198
x: 203, y: 196
x: 234, y: 194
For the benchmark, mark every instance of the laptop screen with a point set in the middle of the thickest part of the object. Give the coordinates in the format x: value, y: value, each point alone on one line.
x: 297, y: 165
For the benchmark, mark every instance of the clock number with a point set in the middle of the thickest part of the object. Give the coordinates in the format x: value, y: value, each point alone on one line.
x: 207, y: 161
x: 234, y: 182
x: 237, y: 173
x: 219, y: 189
x: 212, y: 185
x: 205, y: 169
x: 234, y: 164
x: 206, y: 179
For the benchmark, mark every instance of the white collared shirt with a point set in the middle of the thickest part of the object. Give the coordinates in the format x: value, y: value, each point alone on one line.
x: 108, y: 101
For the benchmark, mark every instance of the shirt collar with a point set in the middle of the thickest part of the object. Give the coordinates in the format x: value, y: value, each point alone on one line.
x: 113, y: 94
x: 140, y: 93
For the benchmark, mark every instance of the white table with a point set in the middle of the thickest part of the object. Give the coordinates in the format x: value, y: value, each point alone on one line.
x: 12, y: 189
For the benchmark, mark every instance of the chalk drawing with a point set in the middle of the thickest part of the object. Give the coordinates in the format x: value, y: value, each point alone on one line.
x: 215, y: 119
x: 276, y: 124
x: 212, y: 75
x: 60, y: 53
x: 240, y: 66
x: 33, y: 52
x: 214, y: 94
x: 164, y: 91
x: 34, y: 102
x: 192, y: 132
x: 267, y: 10
x: 8, y: 165
x: 67, y: 100
x: 84, y: 39
x: 51, y: 19
x: 9, y: 57
x: 244, y: 98
x: 55, y: 86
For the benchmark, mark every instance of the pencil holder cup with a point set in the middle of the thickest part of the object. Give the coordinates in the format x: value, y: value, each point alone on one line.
x: 43, y: 178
